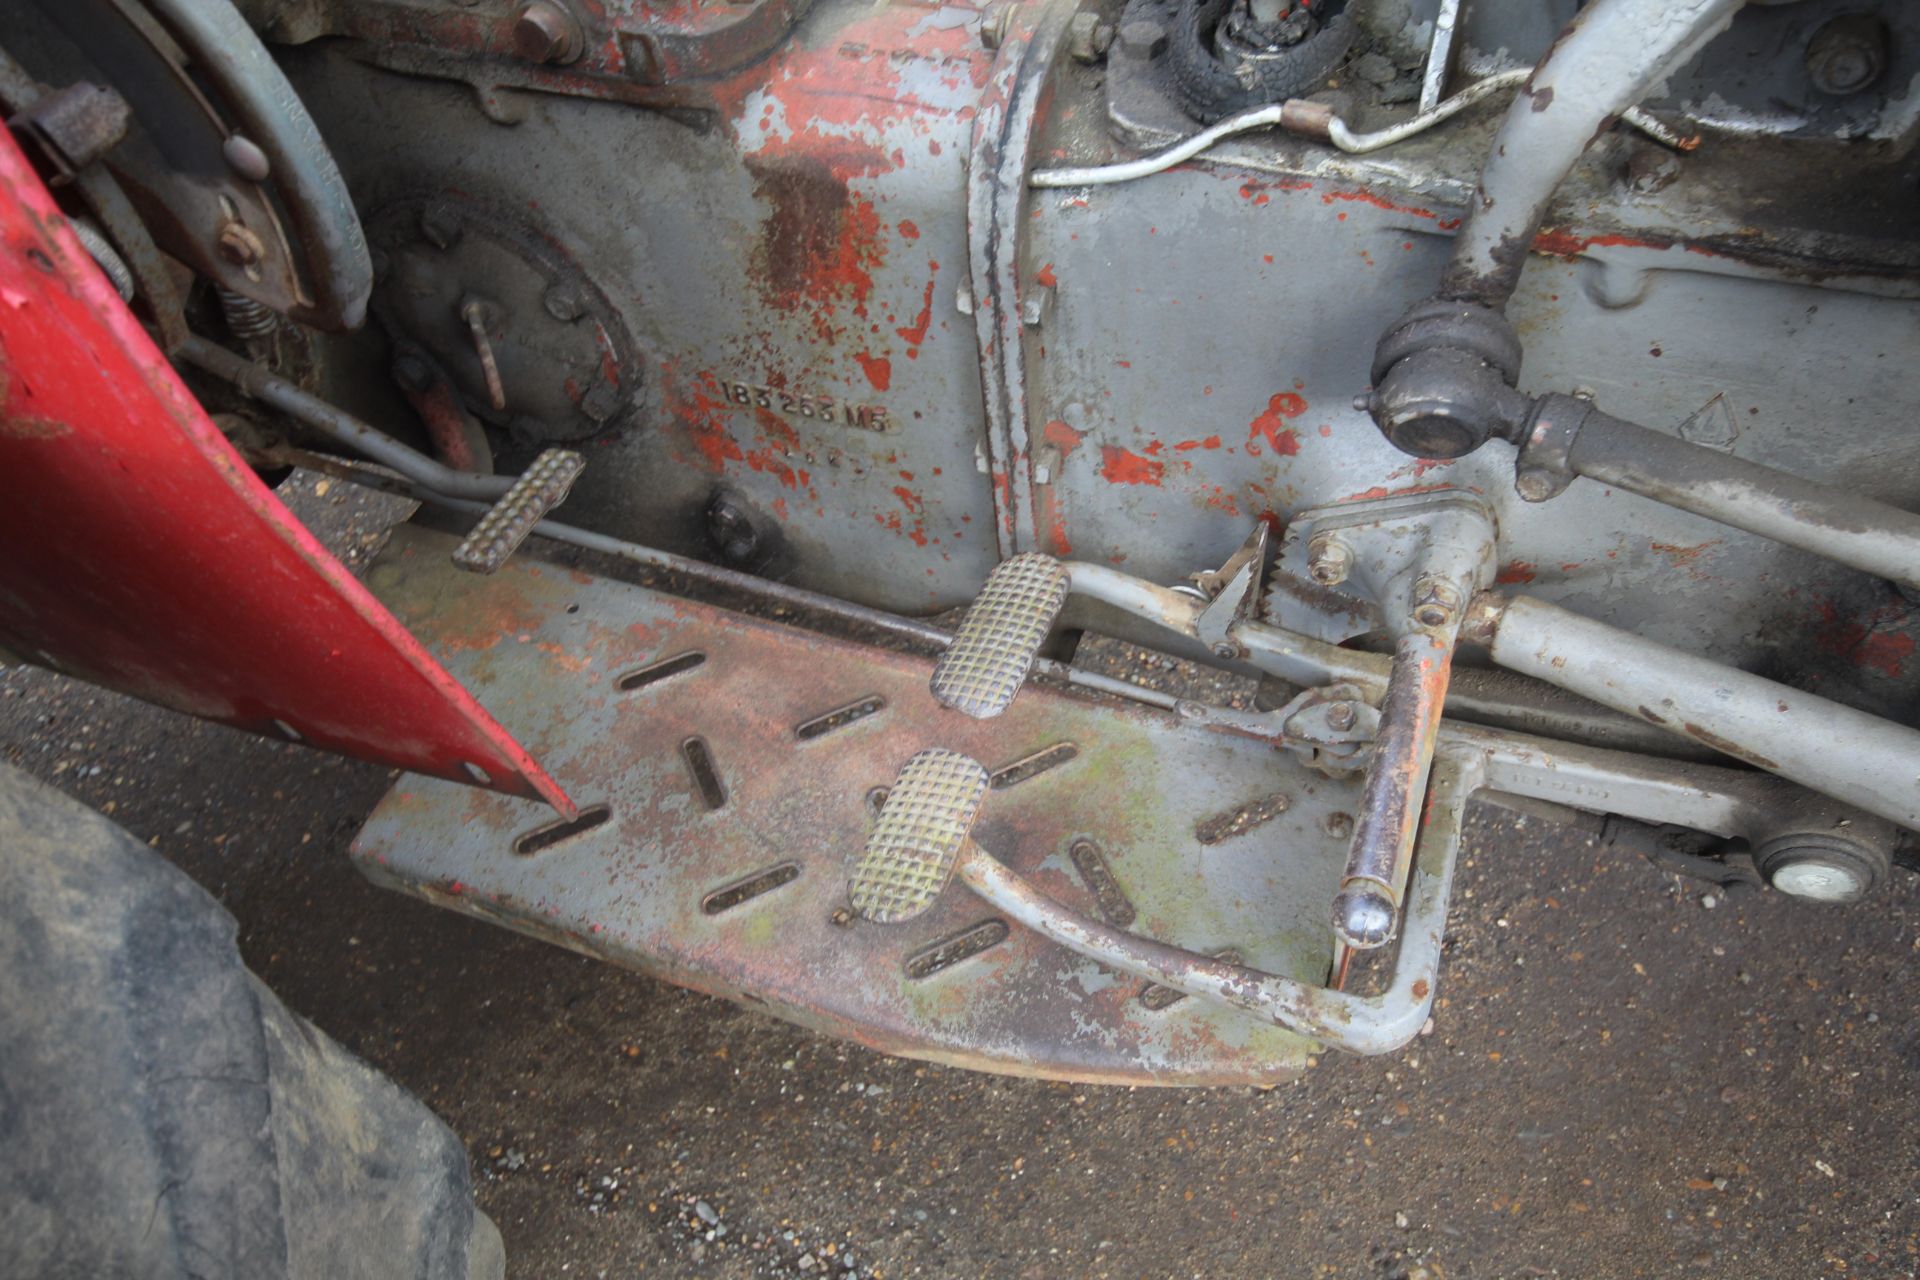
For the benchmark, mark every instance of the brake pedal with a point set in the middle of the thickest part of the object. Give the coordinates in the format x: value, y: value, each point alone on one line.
x: 1000, y: 637
x: 541, y: 487
x: 918, y: 837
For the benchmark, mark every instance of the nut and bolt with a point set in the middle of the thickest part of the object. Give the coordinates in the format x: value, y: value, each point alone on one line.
x: 545, y: 32
x: 440, y: 227
x: 1143, y: 37
x: 1329, y: 559
x: 1535, y: 485
x: 244, y: 157
x: 1436, y: 602
x: 1847, y: 54
x: 1341, y: 716
x: 1228, y: 649
x: 1649, y: 169
x: 1089, y: 36
x: 412, y: 372
x: 564, y: 303
x: 239, y: 245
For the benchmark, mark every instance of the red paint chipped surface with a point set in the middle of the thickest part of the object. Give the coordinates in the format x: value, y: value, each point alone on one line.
x: 1864, y: 643
x: 1516, y: 571
x: 1187, y: 446
x: 1062, y: 437
x: 879, y: 370
x: 916, y: 333
x: 1045, y: 276
x: 1123, y: 466
x: 908, y: 229
x: 1271, y: 425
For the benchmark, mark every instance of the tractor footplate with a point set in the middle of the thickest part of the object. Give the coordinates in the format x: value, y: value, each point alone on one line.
x: 729, y: 773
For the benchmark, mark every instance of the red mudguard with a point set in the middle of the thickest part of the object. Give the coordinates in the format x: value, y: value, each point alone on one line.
x: 138, y: 551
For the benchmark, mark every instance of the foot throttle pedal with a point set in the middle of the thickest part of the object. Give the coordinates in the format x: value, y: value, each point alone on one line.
x: 1001, y: 635
x: 921, y: 830
x: 541, y: 487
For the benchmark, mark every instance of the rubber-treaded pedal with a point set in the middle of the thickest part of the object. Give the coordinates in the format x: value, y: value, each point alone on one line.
x: 918, y: 836
x: 1000, y: 637
x: 540, y: 488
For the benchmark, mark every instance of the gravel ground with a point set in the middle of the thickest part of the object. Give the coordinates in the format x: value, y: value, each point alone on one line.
x: 1626, y: 1075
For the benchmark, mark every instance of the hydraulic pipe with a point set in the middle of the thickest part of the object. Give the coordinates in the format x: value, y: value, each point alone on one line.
x: 1602, y: 64
x: 338, y: 426
x: 1870, y: 763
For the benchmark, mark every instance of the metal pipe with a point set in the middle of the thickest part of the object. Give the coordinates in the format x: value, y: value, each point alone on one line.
x: 341, y: 428
x: 1870, y: 763
x: 1356, y: 1024
x: 1603, y: 63
x: 1160, y: 605
x: 1843, y: 526
x: 1367, y: 907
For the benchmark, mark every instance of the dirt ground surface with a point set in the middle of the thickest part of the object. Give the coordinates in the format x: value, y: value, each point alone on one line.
x: 1627, y: 1075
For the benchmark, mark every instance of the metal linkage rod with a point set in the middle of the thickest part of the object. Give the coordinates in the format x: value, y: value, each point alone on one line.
x: 1356, y: 1024
x: 1604, y: 63
x: 1368, y: 905
x: 1569, y: 437
x: 338, y: 426
x: 1870, y: 763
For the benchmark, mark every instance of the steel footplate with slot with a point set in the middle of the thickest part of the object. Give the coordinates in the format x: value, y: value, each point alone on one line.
x: 543, y: 486
x: 994, y: 651
x: 730, y: 770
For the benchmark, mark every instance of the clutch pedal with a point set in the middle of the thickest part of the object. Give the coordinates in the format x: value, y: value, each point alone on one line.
x: 543, y: 486
x: 921, y: 830
x: 1000, y: 638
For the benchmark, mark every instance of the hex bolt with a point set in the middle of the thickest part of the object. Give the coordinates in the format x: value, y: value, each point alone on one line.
x: 1329, y: 559
x: 412, y: 372
x: 1143, y: 37
x: 244, y: 157
x: 1089, y: 37
x: 1227, y: 649
x: 1847, y: 54
x: 1535, y: 485
x: 239, y: 245
x: 601, y: 401
x: 1341, y: 716
x: 440, y: 227
x: 1436, y: 602
x: 546, y: 33
x: 563, y: 302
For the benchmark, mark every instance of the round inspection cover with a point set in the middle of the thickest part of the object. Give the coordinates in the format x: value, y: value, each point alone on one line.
x: 565, y: 364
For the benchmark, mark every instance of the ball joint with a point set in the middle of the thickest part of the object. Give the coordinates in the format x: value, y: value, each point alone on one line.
x: 1443, y: 380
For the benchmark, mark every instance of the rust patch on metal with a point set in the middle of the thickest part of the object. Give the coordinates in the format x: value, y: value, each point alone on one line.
x: 1236, y: 822
x: 1652, y: 715
x: 1733, y: 749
